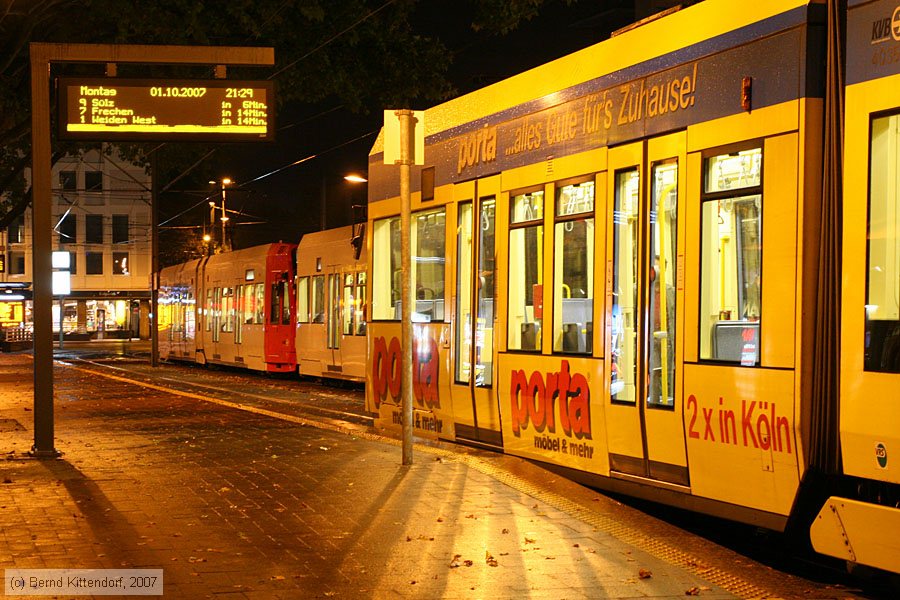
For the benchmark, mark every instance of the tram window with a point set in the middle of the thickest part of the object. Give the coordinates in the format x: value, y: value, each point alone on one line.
x: 334, y: 311
x: 348, y: 304
x: 573, y: 269
x: 385, y: 267
x: 318, y: 299
x: 260, y: 304
x: 216, y: 313
x: 731, y: 258
x: 623, y: 321
x: 526, y: 261
x: 238, y: 314
x: 361, y: 303
x: 209, y: 308
x: 248, y: 303
x: 428, y: 258
x: 882, y: 337
x: 663, y: 263
x: 303, y: 300
x: 227, y: 310
x: 280, y: 313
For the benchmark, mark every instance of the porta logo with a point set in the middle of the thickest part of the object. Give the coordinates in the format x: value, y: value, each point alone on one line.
x: 536, y: 400
x: 386, y: 376
x: 881, y: 455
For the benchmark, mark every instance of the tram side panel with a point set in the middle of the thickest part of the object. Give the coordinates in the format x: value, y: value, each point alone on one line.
x: 432, y: 406
x: 331, y: 305
x: 862, y: 522
x: 177, y: 309
x: 247, y: 303
x: 672, y: 401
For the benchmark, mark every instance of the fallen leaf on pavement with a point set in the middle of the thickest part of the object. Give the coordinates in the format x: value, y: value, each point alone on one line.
x: 455, y: 562
x: 694, y: 591
x: 490, y: 560
x: 645, y: 574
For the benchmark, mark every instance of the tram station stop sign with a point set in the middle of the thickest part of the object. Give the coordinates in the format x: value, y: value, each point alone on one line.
x: 392, y: 137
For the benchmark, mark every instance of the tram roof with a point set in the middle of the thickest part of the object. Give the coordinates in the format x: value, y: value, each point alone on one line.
x: 710, y: 20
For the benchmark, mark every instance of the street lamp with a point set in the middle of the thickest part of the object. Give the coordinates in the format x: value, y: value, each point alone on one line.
x: 355, y: 178
x: 224, y: 218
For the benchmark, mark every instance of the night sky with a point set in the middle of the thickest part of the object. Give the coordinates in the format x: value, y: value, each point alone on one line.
x: 289, y: 202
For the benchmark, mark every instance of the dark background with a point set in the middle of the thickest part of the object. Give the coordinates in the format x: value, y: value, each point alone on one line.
x: 276, y: 201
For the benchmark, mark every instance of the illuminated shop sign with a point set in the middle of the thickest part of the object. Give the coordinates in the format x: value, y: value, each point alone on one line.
x: 108, y: 109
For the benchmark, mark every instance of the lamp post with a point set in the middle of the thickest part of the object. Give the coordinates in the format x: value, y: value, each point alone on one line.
x: 224, y: 218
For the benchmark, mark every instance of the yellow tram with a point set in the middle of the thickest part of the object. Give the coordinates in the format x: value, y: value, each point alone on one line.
x: 615, y: 262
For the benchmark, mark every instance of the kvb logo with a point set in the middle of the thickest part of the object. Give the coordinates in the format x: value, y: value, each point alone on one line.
x: 386, y: 375
x: 533, y: 400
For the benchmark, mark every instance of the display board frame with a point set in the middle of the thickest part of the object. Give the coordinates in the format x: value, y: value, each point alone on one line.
x: 204, y: 111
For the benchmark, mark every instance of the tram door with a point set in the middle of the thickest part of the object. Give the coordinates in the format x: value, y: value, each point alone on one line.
x: 644, y: 275
x: 474, y: 400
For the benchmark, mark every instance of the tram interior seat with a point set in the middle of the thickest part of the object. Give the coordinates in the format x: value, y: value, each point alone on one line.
x: 577, y: 324
x: 426, y: 311
x: 530, y: 335
x: 731, y: 337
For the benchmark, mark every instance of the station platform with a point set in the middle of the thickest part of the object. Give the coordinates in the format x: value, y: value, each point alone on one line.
x: 237, y: 504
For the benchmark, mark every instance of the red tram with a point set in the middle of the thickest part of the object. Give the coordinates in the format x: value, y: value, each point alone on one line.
x: 278, y: 308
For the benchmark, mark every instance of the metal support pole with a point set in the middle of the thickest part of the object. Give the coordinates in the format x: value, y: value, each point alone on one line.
x: 61, y: 312
x: 154, y: 259
x: 407, y: 289
x: 225, y: 245
x: 42, y: 307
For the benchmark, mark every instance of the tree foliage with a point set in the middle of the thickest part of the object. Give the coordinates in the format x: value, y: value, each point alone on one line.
x: 360, y: 53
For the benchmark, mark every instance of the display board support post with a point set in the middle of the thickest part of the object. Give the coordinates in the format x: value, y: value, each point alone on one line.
x: 42, y: 56
x: 154, y: 258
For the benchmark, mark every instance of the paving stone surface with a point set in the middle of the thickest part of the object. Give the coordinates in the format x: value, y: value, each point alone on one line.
x: 232, y: 504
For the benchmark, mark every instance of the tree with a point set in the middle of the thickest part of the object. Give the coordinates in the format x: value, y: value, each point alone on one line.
x: 361, y: 53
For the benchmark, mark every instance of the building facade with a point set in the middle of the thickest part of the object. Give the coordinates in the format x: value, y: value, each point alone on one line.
x: 102, y: 218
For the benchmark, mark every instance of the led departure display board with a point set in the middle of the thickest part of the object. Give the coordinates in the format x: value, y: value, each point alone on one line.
x: 110, y: 109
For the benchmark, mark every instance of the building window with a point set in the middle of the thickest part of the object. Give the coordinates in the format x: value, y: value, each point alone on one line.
x: 68, y: 181
x: 93, y: 181
x: 16, y: 263
x: 93, y: 229
x: 93, y: 263
x: 526, y: 263
x: 731, y: 257
x: 15, y: 233
x: 120, y: 263
x: 882, y: 247
x: 120, y: 229
x: 573, y: 268
x: 67, y: 229
x: 73, y: 265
